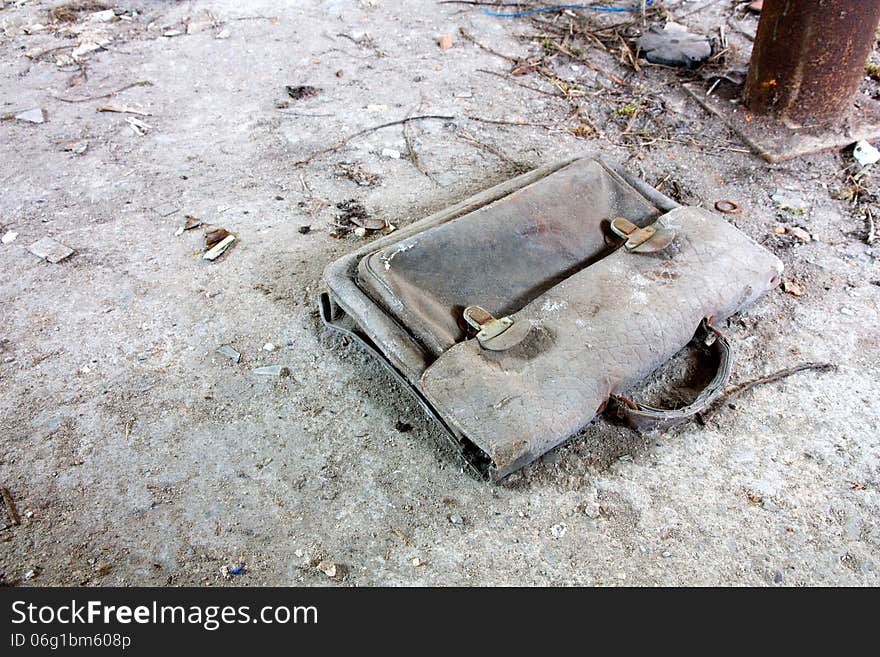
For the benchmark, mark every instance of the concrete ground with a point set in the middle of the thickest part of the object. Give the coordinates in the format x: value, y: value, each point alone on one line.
x: 136, y: 454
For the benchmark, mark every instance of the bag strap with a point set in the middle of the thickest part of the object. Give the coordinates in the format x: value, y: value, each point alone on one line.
x: 648, y: 418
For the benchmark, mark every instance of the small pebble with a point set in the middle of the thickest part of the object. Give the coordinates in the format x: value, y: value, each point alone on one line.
x: 328, y: 568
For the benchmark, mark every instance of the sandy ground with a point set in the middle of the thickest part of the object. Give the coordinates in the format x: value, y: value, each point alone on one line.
x: 138, y: 455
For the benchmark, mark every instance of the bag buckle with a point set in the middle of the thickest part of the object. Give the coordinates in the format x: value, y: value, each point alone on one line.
x: 491, y: 329
x: 638, y: 238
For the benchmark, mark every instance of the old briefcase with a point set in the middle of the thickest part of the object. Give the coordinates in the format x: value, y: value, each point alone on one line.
x: 518, y: 315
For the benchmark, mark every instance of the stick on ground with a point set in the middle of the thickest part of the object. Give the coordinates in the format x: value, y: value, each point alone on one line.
x: 9, y: 501
x: 360, y: 133
x: 139, y: 83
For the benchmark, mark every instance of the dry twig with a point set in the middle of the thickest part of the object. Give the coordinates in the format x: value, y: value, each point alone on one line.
x: 139, y: 83
x: 360, y: 133
x: 9, y: 501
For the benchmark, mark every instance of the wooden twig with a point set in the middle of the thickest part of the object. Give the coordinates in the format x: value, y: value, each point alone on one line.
x: 595, y: 67
x: 468, y: 37
x: 869, y: 217
x: 412, y: 153
x: 9, y: 501
x: 139, y: 83
x: 508, y: 78
x: 39, y: 55
x: 360, y: 133
x: 517, y: 123
x: 470, y: 139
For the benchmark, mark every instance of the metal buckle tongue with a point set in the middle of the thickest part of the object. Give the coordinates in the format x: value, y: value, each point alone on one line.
x: 641, y: 240
x: 495, y: 334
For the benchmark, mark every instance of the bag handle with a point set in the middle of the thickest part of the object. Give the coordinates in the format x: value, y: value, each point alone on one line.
x: 648, y: 418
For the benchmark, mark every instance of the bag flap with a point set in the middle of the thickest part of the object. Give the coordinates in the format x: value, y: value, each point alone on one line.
x: 501, y: 255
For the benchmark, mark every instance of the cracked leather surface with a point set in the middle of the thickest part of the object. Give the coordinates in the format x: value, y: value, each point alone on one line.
x: 502, y: 255
x: 594, y: 334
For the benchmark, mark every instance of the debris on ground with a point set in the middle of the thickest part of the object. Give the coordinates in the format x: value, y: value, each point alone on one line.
x: 332, y: 569
x: 352, y: 212
x: 220, y: 247
x: 215, y: 236
x: 9, y: 502
x: 68, y: 12
x: 304, y: 230
x: 727, y: 206
x: 456, y: 519
x: 865, y: 154
x: 35, y: 115
x: 444, y: 41
x: 789, y: 201
x: 77, y: 147
x: 790, y: 286
x: 392, y: 153
x: 32, y: 573
x: 106, y: 16
x: 301, y: 91
x: 191, y: 222
x: 237, y: 569
x: 272, y: 370
x: 559, y: 530
x: 356, y: 219
x: 140, y: 128
x: 78, y: 54
x: 756, y: 6
x: 268, y: 347
x: 357, y: 174
x: 102, y: 568
x: 9, y: 237
x: 50, y: 250
x: 673, y: 45
x: 122, y: 109
x: 229, y: 352
x: 800, y: 233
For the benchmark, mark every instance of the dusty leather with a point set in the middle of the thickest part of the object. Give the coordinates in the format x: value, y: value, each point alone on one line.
x: 595, y: 334
x: 600, y: 324
x: 502, y: 255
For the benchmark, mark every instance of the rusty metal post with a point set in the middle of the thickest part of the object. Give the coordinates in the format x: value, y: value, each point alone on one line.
x: 809, y: 57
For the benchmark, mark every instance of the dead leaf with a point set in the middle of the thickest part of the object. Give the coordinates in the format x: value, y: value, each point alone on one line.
x: 215, y: 236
